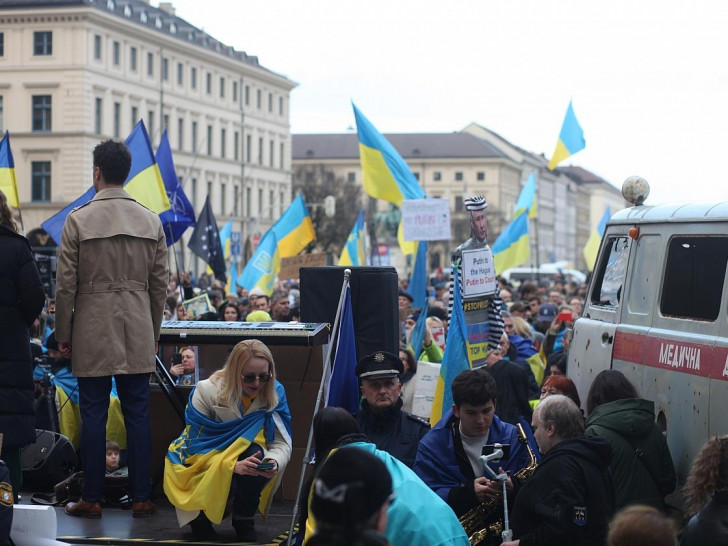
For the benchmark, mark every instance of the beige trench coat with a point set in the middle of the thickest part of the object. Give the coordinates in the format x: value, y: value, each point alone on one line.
x: 111, y: 285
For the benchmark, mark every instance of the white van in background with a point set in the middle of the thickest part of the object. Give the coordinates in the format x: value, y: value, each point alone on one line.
x: 656, y: 311
x: 549, y: 272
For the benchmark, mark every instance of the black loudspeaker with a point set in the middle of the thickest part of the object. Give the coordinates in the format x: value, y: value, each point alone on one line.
x: 374, y: 292
x: 51, y: 459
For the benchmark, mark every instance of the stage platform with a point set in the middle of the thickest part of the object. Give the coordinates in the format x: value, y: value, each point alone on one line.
x: 117, y: 526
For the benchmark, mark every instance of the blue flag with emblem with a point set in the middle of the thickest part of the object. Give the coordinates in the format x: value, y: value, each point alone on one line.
x: 343, y: 390
x: 205, y: 241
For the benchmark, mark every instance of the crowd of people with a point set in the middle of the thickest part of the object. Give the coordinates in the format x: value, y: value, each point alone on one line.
x: 572, y: 473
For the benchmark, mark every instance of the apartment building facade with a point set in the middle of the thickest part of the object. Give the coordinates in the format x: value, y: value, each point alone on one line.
x: 75, y: 72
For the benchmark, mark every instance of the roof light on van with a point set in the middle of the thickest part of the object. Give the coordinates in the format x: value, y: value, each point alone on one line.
x: 634, y: 232
x: 635, y: 190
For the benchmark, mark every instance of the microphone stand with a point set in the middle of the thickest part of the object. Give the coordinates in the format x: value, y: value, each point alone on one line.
x: 497, y: 455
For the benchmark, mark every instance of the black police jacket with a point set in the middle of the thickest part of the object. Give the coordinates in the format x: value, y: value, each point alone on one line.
x: 709, y: 527
x: 569, y: 499
x: 394, y: 431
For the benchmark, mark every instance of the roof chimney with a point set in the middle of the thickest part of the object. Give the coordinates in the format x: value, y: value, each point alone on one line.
x: 167, y: 8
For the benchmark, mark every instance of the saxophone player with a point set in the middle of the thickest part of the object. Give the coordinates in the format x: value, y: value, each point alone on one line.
x: 447, y: 459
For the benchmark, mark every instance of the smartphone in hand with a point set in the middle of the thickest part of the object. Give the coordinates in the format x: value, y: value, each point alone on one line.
x: 266, y: 465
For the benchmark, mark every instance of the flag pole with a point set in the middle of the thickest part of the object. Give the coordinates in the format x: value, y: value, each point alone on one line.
x: 20, y: 216
x: 324, y: 377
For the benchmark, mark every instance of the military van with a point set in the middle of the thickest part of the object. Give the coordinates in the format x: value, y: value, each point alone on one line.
x: 656, y: 309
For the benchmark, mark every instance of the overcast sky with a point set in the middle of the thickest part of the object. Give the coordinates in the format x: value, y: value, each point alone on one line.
x: 648, y: 78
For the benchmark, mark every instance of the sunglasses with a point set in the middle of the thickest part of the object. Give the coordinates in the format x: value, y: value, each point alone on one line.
x: 251, y: 378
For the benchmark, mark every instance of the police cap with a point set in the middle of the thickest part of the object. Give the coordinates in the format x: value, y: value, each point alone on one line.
x: 379, y: 365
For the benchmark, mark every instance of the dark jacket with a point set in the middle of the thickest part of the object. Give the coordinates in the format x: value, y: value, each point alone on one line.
x: 641, y: 465
x: 569, y: 498
x: 394, y: 431
x: 329, y: 538
x: 709, y: 527
x: 512, y: 384
x: 21, y: 301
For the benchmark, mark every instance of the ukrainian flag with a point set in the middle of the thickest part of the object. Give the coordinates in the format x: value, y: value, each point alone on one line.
x: 199, y: 465
x: 354, y: 251
x: 386, y: 175
x: 263, y: 266
x: 294, y: 230
x: 144, y: 183
x: 527, y: 198
x: 455, y: 359
x: 8, y: 184
x: 591, y: 249
x: 571, y: 139
x: 513, y: 247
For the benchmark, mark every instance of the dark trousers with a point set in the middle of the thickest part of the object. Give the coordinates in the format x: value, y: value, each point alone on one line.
x: 94, y: 393
x: 246, y: 489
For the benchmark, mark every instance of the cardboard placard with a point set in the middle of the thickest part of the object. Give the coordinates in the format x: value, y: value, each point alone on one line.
x: 478, y: 272
x: 426, y: 219
x: 424, y: 395
x: 197, y: 306
x: 290, y: 266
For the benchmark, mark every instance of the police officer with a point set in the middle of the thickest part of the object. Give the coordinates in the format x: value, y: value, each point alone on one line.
x: 381, y: 417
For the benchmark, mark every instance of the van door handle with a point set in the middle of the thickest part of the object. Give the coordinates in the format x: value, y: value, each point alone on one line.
x: 607, y: 339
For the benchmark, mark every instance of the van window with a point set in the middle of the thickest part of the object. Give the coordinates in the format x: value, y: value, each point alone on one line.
x: 694, y: 277
x: 608, y: 289
x: 645, y: 275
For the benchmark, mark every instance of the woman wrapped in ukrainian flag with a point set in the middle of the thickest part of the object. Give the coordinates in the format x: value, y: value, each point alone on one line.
x: 235, y: 446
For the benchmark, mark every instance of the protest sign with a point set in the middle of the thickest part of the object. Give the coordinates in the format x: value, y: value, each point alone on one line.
x: 426, y: 219
x: 290, y: 266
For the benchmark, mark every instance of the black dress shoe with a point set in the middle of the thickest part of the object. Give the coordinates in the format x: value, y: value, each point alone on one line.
x: 245, y: 530
x: 202, y: 529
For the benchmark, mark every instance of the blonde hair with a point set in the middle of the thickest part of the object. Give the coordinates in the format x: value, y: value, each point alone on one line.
x: 6, y: 215
x: 521, y: 327
x: 229, y: 380
x: 641, y: 526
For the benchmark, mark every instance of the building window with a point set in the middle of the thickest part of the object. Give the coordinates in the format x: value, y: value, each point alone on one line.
x: 437, y: 176
x: 98, y: 105
x: 194, y: 136
x: 41, y: 180
x: 165, y: 122
x: 236, y: 142
x: 270, y: 153
x: 2, y: 121
x: 235, y: 91
x: 248, y: 144
x: 209, y: 140
x: 222, y: 199
x: 97, y: 47
x: 247, y: 95
x: 193, y: 78
x: 281, y: 159
x: 417, y: 175
x: 165, y: 69
x: 41, y: 113
x: 2, y: 44
x: 458, y: 203
x: 270, y: 204
x: 260, y: 151
x: 223, y: 138
x: 260, y: 202
x: 236, y: 200
x: 116, y: 53
x: 208, y: 85
x: 117, y: 119
x: 280, y: 106
x: 270, y: 102
x: 180, y: 133
x: 150, y: 64
x: 133, y: 59
x: 258, y: 98
x: 247, y: 202
x: 180, y: 74
x: 150, y: 124
x: 280, y: 204
x: 222, y: 87
x: 480, y: 176
x: 458, y: 176
x: 134, y: 116
x: 194, y: 193
x: 209, y: 191
x: 351, y: 177
x: 43, y: 43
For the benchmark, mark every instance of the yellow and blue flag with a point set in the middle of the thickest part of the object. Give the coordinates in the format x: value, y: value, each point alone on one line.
x: 287, y: 237
x: 354, y: 251
x: 226, y: 232
x: 527, y: 198
x: 455, y: 359
x: 513, y: 247
x: 386, y: 175
x: 591, y: 248
x: 198, y: 468
x: 180, y: 215
x: 343, y: 387
x: 571, y: 139
x: 144, y: 183
x: 8, y: 183
x: 232, y: 282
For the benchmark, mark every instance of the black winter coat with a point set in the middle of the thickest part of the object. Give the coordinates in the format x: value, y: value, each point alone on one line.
x: 569, y: 499
x: 21, y: 301
x: 709, y: 527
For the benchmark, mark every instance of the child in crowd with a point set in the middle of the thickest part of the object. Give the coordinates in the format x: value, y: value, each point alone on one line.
x: 116, y: 481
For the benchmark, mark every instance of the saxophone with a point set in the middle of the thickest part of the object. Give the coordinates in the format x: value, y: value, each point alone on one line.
x: 475, y: 521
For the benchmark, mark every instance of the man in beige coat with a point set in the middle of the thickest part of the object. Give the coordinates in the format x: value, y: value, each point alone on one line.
x: 111, y: 287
